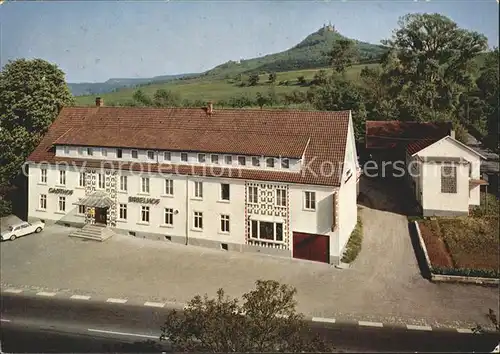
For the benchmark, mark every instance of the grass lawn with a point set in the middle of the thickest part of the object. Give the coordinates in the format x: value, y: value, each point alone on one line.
x: 218, y: 88
x: 353, y: 246
x: 464, y: 242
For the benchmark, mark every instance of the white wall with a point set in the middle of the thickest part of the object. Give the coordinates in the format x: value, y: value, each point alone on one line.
x: 347, y: 206
x: 433, y: 199
x: 450, y: 148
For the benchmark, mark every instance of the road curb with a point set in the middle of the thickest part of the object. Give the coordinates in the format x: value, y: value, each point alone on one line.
x: 155, y: 304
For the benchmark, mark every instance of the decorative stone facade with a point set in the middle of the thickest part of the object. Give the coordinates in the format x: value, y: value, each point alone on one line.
x: 111, y: 186
x: 267, y: 205
x: 90, y: 187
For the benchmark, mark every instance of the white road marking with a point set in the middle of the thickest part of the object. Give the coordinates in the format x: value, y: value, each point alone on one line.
x: 14, y: 291
x: 123, y: 333
x: 370, y: 324
x: 43, y: 293
x: 154, y: 304
x: 80, y: 297
x: 4, y: 320
x: 419, y: 328
x: 116, y: 301
x: 322, y: 319
x: 464, y: 330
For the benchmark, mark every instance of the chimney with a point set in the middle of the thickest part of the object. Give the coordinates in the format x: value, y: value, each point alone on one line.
x: 99, y: 102
x: 210, y: 108
x: 452, y: 133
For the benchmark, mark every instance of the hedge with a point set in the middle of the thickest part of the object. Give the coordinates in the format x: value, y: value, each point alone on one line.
x: 467, y: 272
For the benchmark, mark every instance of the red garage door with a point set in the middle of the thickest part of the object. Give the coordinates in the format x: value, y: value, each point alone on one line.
x: 311, y: 247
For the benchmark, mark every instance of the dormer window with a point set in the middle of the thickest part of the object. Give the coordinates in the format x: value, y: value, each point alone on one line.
x: 135, y: 154
x: 119, y: 153
x: 104, y: 152
x: 242, y: 161
x: 215, y: 159
x: 270, y: 162
x: 201, y: 158
x: 151, y: 155
x: 167, y: 156
x: 66, y: 150
x: 184, y: 156
x: 228, y: 160
x: 90, y: 152
x: 255, y: 161
x: 285, y: 163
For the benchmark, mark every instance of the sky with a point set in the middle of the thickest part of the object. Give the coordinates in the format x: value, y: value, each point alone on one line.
x: 92, y: 41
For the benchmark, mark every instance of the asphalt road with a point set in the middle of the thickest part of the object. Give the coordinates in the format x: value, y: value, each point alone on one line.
x: 36, y: 324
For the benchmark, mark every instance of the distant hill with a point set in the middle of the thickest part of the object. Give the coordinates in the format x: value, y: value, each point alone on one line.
x: 308, y: 54
x: 111, y: 85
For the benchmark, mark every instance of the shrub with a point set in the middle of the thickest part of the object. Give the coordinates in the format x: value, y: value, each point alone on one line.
x: 353, y: 246
x: 466, y: 272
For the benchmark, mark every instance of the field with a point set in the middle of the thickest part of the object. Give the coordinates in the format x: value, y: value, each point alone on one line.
x: 462, y: 242
x: 217, y: 88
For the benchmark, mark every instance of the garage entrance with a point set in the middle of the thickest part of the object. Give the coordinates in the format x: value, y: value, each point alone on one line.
x: 311, y: 247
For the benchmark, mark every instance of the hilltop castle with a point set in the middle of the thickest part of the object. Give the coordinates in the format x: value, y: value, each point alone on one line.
x: 328, y: 28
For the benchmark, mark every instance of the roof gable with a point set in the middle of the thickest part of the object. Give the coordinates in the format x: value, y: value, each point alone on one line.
x: 453, y: 141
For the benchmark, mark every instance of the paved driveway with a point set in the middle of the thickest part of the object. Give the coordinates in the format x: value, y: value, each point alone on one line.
x: 383, y: 285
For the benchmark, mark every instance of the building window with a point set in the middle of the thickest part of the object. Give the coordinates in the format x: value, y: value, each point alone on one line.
x: 310, y: 200
x: 104, y: 152
x: 62, y: 204
x: 184, y: 156
x: 81, y: 181
x: 167, y: 156
x: 253, y: 196
x: 135, y: 154
x: 66, y: 150
x: 267, y: 231
x: 285, y: 163
x: 169, y: 216
x: 242, y: 160
x: 270, y: 162
x: 81, y: 209
x: 90, y: 151
x: 198, y: 189
x: 43, y: 175
x: 119, y: 153
x: 123, y: 212
x: 215, y: 159
x: 198, y: 220
x: 448, y: 179
x: 224, y: 191
x: 100, y: 181
x: 254, y: 229
x: 224, y: 223
x: 201, y: 158
x: 123, y: 183
x: 80, y: 151
x: 145, y: 185
x: 255, y: 161
x: 228, y: 160
x: 144, y: 213
x: 169, y: 187
x: 43, y: 201
x: 151, y: 155
x: 62, y: 177
x: 281, y: 197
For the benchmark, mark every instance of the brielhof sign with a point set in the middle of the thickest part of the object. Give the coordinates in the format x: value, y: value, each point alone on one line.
x: 143, y: 200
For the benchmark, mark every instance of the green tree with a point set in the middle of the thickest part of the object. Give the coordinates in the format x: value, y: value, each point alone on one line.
x: 32, y: 92
x: 343, y: 55
x: 253, y: 79
x: 339, y: 94
x: 261, y: 100
x: 301, y: 80
x: 429, y: 66
x: 166, y: 98
x: 141, y: 99
x: 320, y: 78
x: 272, y: 77
x: 266, y: 321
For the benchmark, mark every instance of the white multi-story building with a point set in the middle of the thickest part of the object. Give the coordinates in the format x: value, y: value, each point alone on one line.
x: 269, y: 181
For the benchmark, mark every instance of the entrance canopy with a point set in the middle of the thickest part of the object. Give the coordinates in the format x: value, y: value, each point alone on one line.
x: 97, y: 199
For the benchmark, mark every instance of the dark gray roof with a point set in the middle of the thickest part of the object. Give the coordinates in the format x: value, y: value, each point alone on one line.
x: 97, y: 199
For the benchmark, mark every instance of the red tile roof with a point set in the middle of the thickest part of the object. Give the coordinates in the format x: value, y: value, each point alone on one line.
x: 322, y: 135
x: 418, y: 145
x: 397, y: 134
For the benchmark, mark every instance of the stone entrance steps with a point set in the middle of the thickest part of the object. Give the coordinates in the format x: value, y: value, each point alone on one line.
x: 93, y: 232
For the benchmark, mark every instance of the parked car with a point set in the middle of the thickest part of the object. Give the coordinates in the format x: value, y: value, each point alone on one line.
x: 22, y: 229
